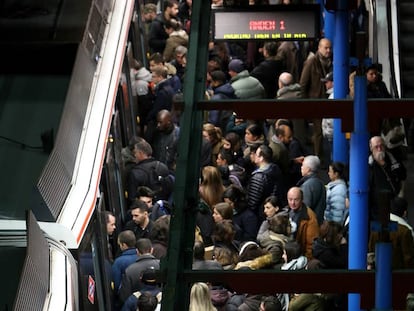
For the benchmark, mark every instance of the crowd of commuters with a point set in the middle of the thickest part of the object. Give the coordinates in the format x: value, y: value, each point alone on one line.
x: 269, y: 196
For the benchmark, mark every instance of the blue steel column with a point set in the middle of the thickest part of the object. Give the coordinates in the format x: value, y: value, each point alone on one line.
x: 341, y: 73
x: 358, y: 188
x: 383, y: 276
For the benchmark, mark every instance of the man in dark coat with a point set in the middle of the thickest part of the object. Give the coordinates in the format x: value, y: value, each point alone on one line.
x: 221, y: 90
x: 158, y: 36
x: 386, y: 174
x: 265, y: 181
x: 268, y: 71
x: 131, y: 281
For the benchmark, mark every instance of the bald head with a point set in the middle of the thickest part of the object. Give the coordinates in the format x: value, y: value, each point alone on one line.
x: 164, y: 120
x: 295, y: 197
x: 285, y: 79
x: 325, y: 48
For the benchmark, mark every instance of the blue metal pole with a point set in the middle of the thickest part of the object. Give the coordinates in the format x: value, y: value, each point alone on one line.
x: 358, y: 187
x: 341, y: 74
x: 383, y: 276
x: 328, y: 23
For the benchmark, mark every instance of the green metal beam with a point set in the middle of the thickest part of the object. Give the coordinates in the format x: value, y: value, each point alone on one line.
x: 179, y: 255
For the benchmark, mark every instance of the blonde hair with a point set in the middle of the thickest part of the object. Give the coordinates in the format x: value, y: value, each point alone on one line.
x: 200, y: 298
x: 211, y: 188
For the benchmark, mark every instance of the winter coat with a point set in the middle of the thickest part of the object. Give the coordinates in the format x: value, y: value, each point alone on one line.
x: 131, y: 281
x: 267, y: 72
x: 330, y: 256
x: 157, y: 36
x: 247, y: 87
x: 220, y: 118
x: 314, y: 194
x: 292, y: 91
x: 265, y: 181
x: 248, y: 224
x: 314, y: 69
x: 163, y: 99
x: 120, y: 264
x: 176, y: 38
x: 307, y: 229
x: 336, y: 194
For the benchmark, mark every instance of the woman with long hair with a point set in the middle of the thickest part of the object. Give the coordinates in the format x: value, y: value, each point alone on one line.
x: 211, y: 187
x: 200, y: 298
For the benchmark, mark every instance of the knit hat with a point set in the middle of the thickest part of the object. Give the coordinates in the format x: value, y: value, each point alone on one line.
x: 149, y: 276
x: 236, y: 65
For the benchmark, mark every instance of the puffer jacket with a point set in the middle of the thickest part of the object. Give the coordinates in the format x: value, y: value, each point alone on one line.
x: 336, y: 194
x: 246, y: 86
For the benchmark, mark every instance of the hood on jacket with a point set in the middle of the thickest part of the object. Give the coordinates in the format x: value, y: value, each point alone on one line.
x: 225, y: 89
x: 143, y: 74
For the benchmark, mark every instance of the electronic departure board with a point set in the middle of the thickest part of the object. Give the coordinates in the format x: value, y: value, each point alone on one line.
x: 275, y: 22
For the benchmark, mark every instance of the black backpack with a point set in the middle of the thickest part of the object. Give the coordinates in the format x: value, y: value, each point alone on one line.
x: 159, y: 179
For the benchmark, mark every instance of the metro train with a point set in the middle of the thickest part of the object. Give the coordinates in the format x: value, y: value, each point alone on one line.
x: 61, y: 251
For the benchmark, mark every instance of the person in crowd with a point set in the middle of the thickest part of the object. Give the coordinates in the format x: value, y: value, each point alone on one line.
x: 243, y: 217
x: 200, y: 298
x: 289, y: 89
x: 199, y: 260
x: 211, y: 190
x: 376, y: 88
x: 270, y: 208
x: 140, y: 224
x: 149, y: 297
x: 268, y: 71
x: 266, y: 180
x: 331, y: 248
x: 304, y: 219
x: 221, y: 90
x: 177, y: 36
x: 236, y: 125
x: 237, y: 173
x: 279, y: 149
x: 336, y: 193
x: 295, y: 149
x: 225, y: 250
x: 313, y: 188
x: 180, y: 62
x: 270, y: 303
x: 244, y: 85
x: 127, y: 245
x: 155, y: 209
x: 110, y: 222
x: 165, y: 140
x: 327, y: 123
x: 278, y: 232
x: 222, y: 211
x: 148, y: 15
x: 140, y: 174
x: 184, y: 13
x: 288, y: 51
x: 163, y: 95
x: 158, y: 36
x: 401, y: 239
x: 385, y: 175
x: 314, y: 69
x: 131, y: 281
x: 140, y: 79
x: 253, y: 138
x: 159, y: 236
x: 215, y: 136
x: 156, y: 60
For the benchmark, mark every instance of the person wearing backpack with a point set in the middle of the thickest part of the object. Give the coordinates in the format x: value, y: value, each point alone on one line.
x: 149, y: 172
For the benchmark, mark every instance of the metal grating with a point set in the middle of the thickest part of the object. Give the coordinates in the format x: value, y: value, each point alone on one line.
x: 34, y: 281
